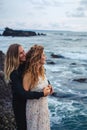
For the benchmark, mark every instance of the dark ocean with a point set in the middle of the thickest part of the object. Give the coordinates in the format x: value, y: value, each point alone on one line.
x: 66, y: 68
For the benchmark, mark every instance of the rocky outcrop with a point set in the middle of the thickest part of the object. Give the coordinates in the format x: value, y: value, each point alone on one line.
x: 19, y: 33
x: 2, y: 57
x: 56, y: 56
x: 50, y: 62
x: 11, y: 32
x: 81, y: 80
x: 7, y: 120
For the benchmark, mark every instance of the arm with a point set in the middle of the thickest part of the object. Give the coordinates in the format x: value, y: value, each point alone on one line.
x: 19, y: 90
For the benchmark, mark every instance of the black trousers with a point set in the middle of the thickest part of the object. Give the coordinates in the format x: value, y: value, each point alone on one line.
x: 19, y: 108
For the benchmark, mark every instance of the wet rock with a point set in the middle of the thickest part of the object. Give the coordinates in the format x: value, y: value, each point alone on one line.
x: 2, y: 58
x: 7, y: 120
x: 73, y: 64
x: 11, y: 32
x: 39, y: 34
x: 81, y: 80
x: 56, y: 56
x: 50, y: 62
x: 20, y: 33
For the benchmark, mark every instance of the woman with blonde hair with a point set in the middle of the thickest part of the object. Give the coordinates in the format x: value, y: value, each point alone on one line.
x: 14, y: 68
x: 34, y: 79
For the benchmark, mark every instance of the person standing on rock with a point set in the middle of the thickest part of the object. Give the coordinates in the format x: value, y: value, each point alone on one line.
x: 34, y: 79
x: 14, y: 68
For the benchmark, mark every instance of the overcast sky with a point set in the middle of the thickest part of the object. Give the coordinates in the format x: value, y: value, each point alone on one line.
x: 44, y: 14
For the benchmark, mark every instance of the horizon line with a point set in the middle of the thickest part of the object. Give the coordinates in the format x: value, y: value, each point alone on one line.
x: 61, y: 30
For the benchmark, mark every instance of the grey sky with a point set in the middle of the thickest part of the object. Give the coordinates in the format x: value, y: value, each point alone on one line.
x: 44, y: 14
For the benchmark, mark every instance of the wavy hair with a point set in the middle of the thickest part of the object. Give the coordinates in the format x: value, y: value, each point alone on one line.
x: 33, y: 58
x: 11, y: 60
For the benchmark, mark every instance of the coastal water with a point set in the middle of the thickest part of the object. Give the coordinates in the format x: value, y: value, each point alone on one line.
x: 67, y: 73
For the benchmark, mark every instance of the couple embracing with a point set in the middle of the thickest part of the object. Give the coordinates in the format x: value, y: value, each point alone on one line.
x: 30, y: 86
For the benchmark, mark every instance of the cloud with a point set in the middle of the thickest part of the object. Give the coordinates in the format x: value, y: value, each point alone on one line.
x: 83, y: 3
x: 1, y: 4
x: 79, y: 11
x: 43, y: 14
x: 44, y: 3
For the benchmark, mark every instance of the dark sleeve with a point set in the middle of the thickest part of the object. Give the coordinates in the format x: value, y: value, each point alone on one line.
x: 49, y: 82
x: 19, y: 90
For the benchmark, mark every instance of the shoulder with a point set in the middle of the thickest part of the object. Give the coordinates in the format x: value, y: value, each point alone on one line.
x: 26, y: 75
x: 14, y: 72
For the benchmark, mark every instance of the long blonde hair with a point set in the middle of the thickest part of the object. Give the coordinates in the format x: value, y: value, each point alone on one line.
x: 33, y: 58
x: 11, y: 60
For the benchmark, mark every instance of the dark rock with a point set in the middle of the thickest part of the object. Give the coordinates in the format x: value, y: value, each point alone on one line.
x: 81, y: 80
x: 56, y: 56
x: 2, y: 58
x: 73, y: 64
x: 7, y: 120
x: 2, y: 74
x: 50, y: 62
x: 19, y: 33
x: 41, y: 34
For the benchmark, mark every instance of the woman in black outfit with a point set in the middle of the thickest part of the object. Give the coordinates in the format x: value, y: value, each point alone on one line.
x: 14, y: 68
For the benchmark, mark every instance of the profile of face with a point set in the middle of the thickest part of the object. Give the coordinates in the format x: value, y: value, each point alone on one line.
x: 43, y: 59
x: 22, y: 54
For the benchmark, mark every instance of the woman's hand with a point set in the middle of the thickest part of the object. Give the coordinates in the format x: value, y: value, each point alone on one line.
x: 51, y: 88
x: 46, y: 91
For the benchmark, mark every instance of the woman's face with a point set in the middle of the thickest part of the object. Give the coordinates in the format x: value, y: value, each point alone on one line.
x: 22, y: 55
x: 43, y: 59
